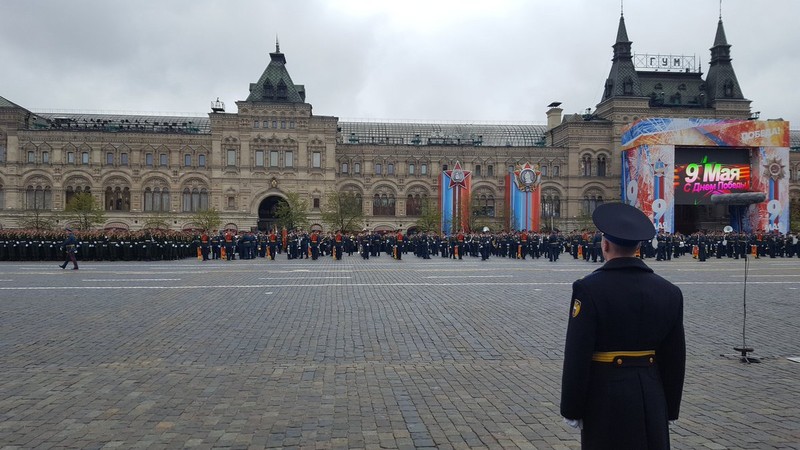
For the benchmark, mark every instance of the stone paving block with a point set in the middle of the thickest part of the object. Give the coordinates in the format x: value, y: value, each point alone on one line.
x: 256, y: 354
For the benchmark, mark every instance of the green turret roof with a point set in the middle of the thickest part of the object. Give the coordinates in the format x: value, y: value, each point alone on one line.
x: 275, y: 84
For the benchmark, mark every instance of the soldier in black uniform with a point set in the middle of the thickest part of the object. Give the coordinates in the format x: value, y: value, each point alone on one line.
x: 625, y: 352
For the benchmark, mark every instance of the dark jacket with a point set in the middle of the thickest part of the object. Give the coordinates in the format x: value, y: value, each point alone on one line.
x: 624, y: 306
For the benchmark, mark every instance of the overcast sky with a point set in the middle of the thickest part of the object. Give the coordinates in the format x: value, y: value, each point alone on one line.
x: 429, y: 60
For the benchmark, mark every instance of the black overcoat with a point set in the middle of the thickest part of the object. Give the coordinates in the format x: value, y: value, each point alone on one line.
x: 624, y: 306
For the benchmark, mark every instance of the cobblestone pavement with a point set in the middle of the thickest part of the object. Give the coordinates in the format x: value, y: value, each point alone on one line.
x: 355, y: 354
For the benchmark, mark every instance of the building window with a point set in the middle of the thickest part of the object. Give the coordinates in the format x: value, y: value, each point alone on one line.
x: 148, y: 160
x: 357, y: 167
x: 586, y: 166
x: 201, y: 160
x: 590, y: 202
x: 187, y: 160
x: 378, y: 169
x: 477, y: 170
x: 38, y: 198
x: 123, y: 159
x: 543, y: 170
x: 118, y: 199
x: 383, y: 205
x: 444, y: 167
x: 390, y: 169
x: 273, y: 158
x: 195, y: 199
x: 2, y: 152
x: 289, y: 156
x: 490, y: 170
x: 551, y: 204
x: 555, y: 171
x: 283, y: 124
x: 316, y: 160
x: 601, y: 166
x: 231, y: 157
x: 316, y: 203
x: 411, y: 169
x: 85, y: 158
x: 231, y: 204
x: 70, y: 158
x: 414, y: 205
x: 110, y: 159
x: 259, y: 158
x: 291, y: 125
x: 46, y: 157
x: 162, y: 160
x: 266, y: 124
x: 274, y: 124
x: 483, y: 206
x: 256, y: 123
x: 345, y: 167
x: 31, y: 156
x: 423, y: 169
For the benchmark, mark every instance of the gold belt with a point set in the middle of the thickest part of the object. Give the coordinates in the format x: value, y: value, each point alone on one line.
x: 610, y: 357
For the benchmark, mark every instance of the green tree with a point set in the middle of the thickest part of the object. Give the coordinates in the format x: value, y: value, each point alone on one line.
x: 207, y: 219
x: 36, y: 219
x: 430, y: 218
x: 343, y: 211
x: 84, y: 211
x: 293, y: 213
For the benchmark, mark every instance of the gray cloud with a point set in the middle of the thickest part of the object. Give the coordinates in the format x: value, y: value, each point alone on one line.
x: 437, y: 60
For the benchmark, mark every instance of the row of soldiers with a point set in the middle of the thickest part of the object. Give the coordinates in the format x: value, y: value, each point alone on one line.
x: 143, y: 245
x: 703, y: 245
x: 154, y: 245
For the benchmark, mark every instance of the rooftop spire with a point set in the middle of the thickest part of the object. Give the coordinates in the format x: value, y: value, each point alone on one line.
x: 622, y: 80
x: 622, y: 32
x: 721, y: 79
x: 277, y: 44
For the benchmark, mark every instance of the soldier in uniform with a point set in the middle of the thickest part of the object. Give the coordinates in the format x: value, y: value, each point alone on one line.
x: 625, y: 352
x: 70, y: 244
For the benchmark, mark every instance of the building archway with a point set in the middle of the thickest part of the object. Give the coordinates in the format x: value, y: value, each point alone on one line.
x: 268, y: 212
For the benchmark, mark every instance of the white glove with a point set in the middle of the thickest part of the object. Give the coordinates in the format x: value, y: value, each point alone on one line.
x: 574, y: 423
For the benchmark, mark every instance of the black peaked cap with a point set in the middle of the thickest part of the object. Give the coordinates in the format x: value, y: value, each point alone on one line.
x: 622, y: 223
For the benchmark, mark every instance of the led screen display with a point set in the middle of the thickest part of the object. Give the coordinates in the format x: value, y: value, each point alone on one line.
x: 701, y: 172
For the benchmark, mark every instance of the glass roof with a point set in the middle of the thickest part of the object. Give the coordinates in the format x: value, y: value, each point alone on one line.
x: 119, y: 123
x: 427, y: 133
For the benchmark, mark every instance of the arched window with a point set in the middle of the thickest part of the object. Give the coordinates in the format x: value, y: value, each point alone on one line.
x: 376, y: 205
x: 551, y: 204
x: 414, y: 204
x: 591, y: 200
x: 484, y: 205
x: 194, y: 199
x: 38, y: 198
x: 601, y: 166
x: 187, y: 200
x: 383, y: 204
x: 586, y: 166
x: 117, y: 199
x: 165, y: 200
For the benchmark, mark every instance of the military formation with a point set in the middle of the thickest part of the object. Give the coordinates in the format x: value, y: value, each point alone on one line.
x: 230, y: 245
x: 145, y: 245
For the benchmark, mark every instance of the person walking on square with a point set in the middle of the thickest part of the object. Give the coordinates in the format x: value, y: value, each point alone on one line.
x: 70, y: 243
x: 625, y: 351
